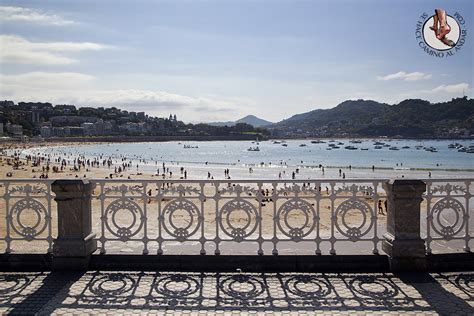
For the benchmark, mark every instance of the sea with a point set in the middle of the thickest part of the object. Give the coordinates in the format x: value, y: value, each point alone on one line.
x: 278, y: 159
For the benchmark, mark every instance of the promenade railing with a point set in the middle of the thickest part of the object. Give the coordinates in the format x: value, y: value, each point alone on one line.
x: 260, y: 217
x: 247, y: 217
x: 448, y: 215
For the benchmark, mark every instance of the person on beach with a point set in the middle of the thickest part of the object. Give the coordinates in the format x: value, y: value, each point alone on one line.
x: 380, y: 208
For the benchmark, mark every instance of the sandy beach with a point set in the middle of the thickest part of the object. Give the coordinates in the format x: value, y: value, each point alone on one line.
x: 53, y: 167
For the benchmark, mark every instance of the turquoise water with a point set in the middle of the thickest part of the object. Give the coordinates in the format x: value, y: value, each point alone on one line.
x: 275, y: 161
x: 235, y: 152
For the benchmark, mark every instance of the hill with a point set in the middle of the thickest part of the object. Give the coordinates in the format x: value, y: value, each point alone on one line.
x: 249, y: 119
x: 366, y: 118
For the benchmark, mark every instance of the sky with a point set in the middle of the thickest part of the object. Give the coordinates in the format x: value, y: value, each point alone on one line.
x: 218, y: 60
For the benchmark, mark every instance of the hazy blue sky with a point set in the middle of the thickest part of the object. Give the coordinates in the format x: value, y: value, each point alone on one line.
x: 220, y: 60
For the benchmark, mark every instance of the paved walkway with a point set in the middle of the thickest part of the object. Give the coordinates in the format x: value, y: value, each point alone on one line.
x: 115, y: 293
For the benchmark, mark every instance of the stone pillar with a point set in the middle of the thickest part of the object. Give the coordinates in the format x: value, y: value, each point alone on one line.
x: 403, y: 243
x: 75, y: 242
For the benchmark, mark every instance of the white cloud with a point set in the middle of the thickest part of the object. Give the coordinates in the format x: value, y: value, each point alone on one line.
x: 453, y: 88
x: 19, y: 14
x: 81, y: 89
x: 402, y: 75
x: 46, y: 80
x: 18, y: 50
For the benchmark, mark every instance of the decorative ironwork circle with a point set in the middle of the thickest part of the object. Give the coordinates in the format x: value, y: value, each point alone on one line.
x: 242, y: 287
x: 373, y: 287
x: 353, y: 232
x: 441, y: 225
x: 121, y: 231
x: 301, y: 231
x: 307, y: 286
x: 184, y: 231
x: 177, y: 286
x: 24, y: 205
x: 238, y: 233
x: 114, y: 284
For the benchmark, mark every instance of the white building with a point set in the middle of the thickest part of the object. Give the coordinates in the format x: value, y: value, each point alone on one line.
x: 46, y: 131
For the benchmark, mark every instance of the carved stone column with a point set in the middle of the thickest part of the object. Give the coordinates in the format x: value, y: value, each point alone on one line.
x: 403, y: 243
x: 75, y: 242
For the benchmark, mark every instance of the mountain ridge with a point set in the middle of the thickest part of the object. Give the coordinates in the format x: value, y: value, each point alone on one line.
x: 409, y: 118
x: 249, y: 119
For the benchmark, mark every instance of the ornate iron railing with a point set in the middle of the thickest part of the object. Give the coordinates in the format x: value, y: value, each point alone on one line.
x: 260, y: 213
x: 449, y: 212
x: 26, y: 206
x: 236, y: 216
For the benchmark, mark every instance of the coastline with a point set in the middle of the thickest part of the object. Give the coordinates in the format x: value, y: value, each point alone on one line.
x: 196, y: 169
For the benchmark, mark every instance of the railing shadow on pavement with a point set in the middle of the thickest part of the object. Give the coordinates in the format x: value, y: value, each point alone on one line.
x: 97, y: 291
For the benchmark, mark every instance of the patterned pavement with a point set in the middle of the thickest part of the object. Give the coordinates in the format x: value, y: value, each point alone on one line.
x: 133, y: 293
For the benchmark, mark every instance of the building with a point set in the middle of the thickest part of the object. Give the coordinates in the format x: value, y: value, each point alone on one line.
x: 76, y: 131
x: 46, y: 131
x: 14, y: 129
x: 61, y: 131
x: 65, y: 108
x: 88, y: 128
x: 1, y: 128
x: 35, y: 116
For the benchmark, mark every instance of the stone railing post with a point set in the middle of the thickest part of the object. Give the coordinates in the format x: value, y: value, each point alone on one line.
x: 75, y: 242
x: 403, y: 243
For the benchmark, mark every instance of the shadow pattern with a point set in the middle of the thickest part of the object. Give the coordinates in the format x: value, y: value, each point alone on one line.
x: 92, y: 291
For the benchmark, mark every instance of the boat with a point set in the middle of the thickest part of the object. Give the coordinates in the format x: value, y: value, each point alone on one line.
x: 405, y: 147
x: 431, y: 149
x: 351, y: 147
x: 302, y: 145
x: 277, y: 142
x: 393, y: 148
x: 317, y: 142
x: 378, y: 147
x: 253, y: 149
x: 364, y: 149
x: 355, y: 141
x: 284, y: 145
